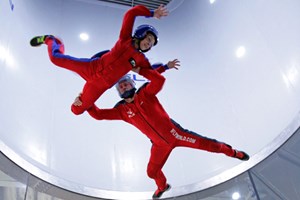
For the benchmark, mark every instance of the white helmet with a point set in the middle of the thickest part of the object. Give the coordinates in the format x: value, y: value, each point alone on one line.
x: 128, y: 93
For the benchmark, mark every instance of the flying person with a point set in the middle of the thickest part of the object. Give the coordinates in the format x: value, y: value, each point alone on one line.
x: 101, y: 73
x: 142, y: 109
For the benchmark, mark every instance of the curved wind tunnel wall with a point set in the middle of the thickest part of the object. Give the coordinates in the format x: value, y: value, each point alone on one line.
x: 238, y: 83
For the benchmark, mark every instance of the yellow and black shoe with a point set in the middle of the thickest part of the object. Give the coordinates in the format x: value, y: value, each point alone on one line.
x: 38, y: 40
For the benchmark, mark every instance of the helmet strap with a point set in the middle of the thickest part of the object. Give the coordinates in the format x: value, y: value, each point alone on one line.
x: 137, y: 42
x: 128, y: 94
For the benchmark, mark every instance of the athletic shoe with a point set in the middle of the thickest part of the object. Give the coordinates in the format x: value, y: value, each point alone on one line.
x: 157, y: 194
x: 38, y: 40
x: 241, y: 155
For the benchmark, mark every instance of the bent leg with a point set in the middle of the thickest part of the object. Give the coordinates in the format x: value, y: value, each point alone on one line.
x: 92, y: 90
x: 158, y: 157
x: 81, y: 66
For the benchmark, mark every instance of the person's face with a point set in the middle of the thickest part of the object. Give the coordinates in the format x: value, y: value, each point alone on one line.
x: 147, y: 42
x: 124, y: 86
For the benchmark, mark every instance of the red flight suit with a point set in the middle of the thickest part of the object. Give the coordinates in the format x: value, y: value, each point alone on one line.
x: 102, y: 73
x: 147, y: 114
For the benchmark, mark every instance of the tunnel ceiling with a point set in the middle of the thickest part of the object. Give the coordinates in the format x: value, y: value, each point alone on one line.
x: 153, y: 4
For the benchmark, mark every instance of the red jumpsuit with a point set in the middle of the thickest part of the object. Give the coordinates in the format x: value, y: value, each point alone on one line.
x: 147, y: 114
x: 102, y: 73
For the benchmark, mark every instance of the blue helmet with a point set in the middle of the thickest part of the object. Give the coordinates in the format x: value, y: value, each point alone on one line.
x: 128, y: 93
x: 142, y: 30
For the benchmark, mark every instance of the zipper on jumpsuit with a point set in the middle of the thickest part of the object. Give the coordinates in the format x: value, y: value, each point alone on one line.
x: 151, y: 126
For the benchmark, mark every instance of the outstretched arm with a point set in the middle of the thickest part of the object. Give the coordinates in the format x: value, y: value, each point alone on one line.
x: 159, y: 67
x: 156, y: 80
x: 104, y: 114
x: 131, y: 14
x: 161, y: 11
x: 100, y: 114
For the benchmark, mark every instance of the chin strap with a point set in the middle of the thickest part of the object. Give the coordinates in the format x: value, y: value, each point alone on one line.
x: 144, y: 51
x: 138, y: 41
x: 128, y: 94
